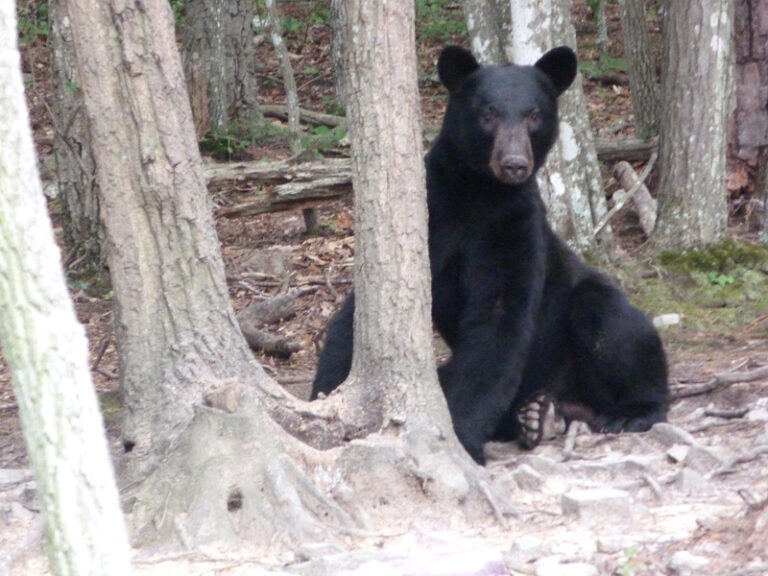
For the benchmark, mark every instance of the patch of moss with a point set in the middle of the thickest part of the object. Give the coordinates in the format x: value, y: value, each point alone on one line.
x: 721, y: 289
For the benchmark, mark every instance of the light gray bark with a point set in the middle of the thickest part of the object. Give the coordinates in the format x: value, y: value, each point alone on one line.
x: 47, y: 354
x: 485, y: 33
x: 570, y: 182
x: 697, y: 74
x: 642, y: 73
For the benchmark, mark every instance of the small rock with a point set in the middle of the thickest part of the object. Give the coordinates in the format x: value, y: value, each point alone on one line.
x: 702, y: 459
x: 690, y: 481
x: 14, y: 475
x: 678, y: 452
x: 545, y: 466
x: 527, y: 478
x: 669, y: 435
x: 553, y: 567
x: 665, y: 320
x: 683, y: 562
x: 597, y: 504
x: 614, y: 544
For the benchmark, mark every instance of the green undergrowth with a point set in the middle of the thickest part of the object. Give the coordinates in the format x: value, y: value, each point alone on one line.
x: 719, y: 290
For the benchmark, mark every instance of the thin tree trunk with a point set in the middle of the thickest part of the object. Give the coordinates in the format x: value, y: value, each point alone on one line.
x: 692, y: 147
x: 642, y: 73
x: 219, y: 66
x: 570, y: 182
x: 75, y: 166
x: 338, y: 19
x: 47, y: 354
x: 484, y: 27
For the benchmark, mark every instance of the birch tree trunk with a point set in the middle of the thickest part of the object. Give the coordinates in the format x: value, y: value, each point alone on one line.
x: 47, y: 354
x: 485, y: 33
x: 642, y: 73
x: 219, y: 66
x: 75, y: 167
x: 697, y: 74
x: 570, y: 182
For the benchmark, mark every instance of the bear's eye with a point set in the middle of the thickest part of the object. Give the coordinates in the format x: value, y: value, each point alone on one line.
x: 489, y: 115
x: 533, y: 117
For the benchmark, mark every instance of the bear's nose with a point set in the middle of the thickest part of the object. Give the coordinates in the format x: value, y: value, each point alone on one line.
x: 515, y: 169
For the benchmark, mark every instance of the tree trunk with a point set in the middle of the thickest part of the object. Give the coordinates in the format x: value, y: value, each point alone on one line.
x: 570, y: 182
x: 219, y: 66
x: 749, y: 138
x: 338, y: 20
x: 75, y: 167
x: 175, y: 327
x: 484, y: 27
x: 697, y: 72
x: 642, y: 73
x: 205, y: 465
x: 47, y: 354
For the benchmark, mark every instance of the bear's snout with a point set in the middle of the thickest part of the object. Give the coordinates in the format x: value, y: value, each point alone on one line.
x: 514, y: 169
x: 512, y: 156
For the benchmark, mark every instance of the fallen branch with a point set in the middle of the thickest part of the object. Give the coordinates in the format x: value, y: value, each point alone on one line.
x: 307, y: 116
x: 619, y: 205
x: 721, y: 380
x: 645, y: 204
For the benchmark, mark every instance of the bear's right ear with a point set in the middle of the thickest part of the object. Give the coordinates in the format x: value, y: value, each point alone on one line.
x: 454, y: 65
x: 560, y: 65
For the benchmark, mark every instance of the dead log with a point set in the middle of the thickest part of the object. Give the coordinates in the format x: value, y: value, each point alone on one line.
x: 611, y: 150
x: 286, y: 185
x: 307, y: 116
x: 630, y: 193
x: 645, y: 204
x: 278, y: 346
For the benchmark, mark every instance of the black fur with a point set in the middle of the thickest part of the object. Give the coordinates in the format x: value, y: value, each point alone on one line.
x: 520, y: 311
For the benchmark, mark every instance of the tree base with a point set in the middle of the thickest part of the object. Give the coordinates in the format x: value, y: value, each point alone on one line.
x: 236, y: 481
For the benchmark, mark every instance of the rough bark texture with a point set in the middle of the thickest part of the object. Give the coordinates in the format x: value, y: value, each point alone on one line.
x: 642, y: 75
x: 392, y: 351
x: 749, y: 142
x: 47, y: 354
x: 75, y: 166
x: 570, y: 182
x: 484, y: 27
x: 219, y: 66
x: 697, y: 71
x: 195, y: 400
x: 175, y: 327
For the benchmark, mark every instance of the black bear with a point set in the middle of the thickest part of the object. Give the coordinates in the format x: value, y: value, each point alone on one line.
x: 520, y: 311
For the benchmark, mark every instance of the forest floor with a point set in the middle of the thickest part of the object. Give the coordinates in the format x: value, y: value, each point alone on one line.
x: 689, y: 498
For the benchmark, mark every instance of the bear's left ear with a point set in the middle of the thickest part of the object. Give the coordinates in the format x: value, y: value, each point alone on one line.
x: 560, y: 65
x: 454, y: 65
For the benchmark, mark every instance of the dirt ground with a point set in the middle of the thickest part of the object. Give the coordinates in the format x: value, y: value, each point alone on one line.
x: 695, y: 502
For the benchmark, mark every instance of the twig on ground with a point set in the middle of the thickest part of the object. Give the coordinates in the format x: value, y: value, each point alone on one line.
x: 721, y: 380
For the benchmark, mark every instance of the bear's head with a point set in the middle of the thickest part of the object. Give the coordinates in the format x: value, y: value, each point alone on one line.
x: 502, y: 120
